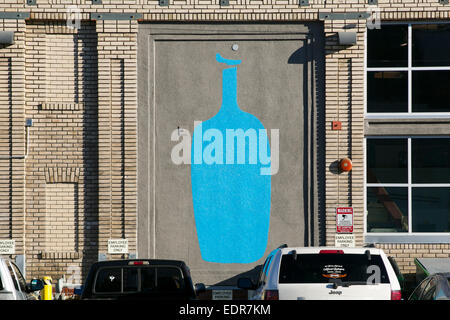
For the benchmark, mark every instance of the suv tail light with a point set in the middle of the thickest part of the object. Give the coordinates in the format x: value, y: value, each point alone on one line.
x: 331, y: 251
x: 271, y: 295
x: 396, y: 295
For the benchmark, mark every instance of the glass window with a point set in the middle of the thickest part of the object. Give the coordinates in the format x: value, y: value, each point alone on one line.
x: 417, y: 293
x: 130, y: 279
x: 402, y: 83
x: 21, y: 280
x: 431, y: 209
x: 387, y: 46
x: 169, y: 279
x: 408, y: 190
x: 148, y: 279
x: 387, y: 91
x: 428, y: 292
x: 430, y: 91
x: 387, y: 160
x: 13, y: 276
x: 109, y: 280
x: 321, y: 268
x: 387, y: 209
x: 430, y: 45
x: 431, y: 160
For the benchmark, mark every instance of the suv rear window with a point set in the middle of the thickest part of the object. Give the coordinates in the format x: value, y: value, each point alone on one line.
x: 321, y: 268
x: 139, y: 279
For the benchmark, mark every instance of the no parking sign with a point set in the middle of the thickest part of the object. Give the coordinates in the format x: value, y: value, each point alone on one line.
x: 344, y: 220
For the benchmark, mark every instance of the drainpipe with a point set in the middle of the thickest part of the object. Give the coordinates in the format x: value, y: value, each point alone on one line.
x: 28, y: 124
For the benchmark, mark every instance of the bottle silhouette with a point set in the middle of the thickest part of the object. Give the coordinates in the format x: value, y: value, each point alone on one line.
x: 231, y: 197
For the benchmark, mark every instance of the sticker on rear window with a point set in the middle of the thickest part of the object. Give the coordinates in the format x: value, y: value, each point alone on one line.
x: 334, y: 271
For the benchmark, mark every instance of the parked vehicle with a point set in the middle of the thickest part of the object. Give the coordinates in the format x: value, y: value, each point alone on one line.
x: 13, y: 285
x: 140, y: 279
x: 294, y: 273
x: 401, y: 279
x: 434, y: 287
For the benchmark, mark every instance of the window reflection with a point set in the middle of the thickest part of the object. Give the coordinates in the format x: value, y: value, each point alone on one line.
x: 387, y: 209
x: 430, y: 91
x: 387, y: 91
x: 388, y: 46
x: 387, y: 161
x: 430, y: 45
x: 431, y: 160
x: 431, y: 210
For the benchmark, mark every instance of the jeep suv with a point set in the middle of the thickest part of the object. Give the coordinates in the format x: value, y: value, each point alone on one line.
x: 321, y: 273
x: 140, y: 279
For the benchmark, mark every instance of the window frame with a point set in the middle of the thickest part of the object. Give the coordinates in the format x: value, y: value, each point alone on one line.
x: 410, y: 236
x: 409, y: 69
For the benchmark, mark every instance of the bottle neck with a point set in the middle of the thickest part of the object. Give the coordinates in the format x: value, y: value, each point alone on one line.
x: 229, y: 89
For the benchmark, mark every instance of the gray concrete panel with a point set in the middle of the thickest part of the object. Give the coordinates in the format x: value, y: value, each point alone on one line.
x: 180, y: 82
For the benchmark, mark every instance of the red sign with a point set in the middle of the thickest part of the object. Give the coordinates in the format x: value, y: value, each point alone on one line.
x: 344, y: 220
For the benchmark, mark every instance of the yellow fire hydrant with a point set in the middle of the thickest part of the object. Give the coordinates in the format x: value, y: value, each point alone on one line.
x: 47, y: 291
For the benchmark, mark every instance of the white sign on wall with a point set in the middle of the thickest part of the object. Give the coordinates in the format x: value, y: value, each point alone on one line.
x: 117, y: 246
x: 345, y: 240
x: 7, y: 246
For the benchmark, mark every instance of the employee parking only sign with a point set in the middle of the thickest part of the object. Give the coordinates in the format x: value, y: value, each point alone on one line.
x: 344, y: 220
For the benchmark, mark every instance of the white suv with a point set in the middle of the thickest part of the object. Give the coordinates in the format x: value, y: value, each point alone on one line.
x: 322, y: 273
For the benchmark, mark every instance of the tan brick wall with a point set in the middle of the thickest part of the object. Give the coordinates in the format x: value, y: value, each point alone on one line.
x: 12, y: 135
x: 61, y: 98
x: 61, y: 68
x: 118, y: 135
x: 406, y: 253
x: 344, y: 100
x: 85, y: 121
x: 61, y: 217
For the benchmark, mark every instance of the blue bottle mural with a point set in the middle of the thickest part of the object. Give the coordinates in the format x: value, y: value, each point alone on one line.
x: 231, y: 186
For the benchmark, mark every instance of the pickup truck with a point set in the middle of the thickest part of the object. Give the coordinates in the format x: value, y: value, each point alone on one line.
x: 148, y: 279
x: 13, y: 285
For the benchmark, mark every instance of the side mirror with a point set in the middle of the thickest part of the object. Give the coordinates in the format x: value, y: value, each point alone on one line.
x: 199, y: 288
x: 246, y: 283
x: 35, y: 285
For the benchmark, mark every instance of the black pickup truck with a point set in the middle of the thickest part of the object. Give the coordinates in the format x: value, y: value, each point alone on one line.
x: 140, y: 279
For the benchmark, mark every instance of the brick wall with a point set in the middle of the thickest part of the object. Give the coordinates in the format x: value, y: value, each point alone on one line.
x: 61, y: 217
x: 80, y: 88
x: 61, y: 98
x: 405, y: 253
x: 117, y: 92
x: 12, y: 135
x: 344, y: 101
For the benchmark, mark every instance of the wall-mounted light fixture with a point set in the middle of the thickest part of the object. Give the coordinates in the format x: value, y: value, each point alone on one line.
x: 7, y: 37
x: 347, y: 38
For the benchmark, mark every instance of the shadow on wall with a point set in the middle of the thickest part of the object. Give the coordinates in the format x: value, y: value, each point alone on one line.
x: 89, y: 57
x: 252, y: 274
x: 311, y: 56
